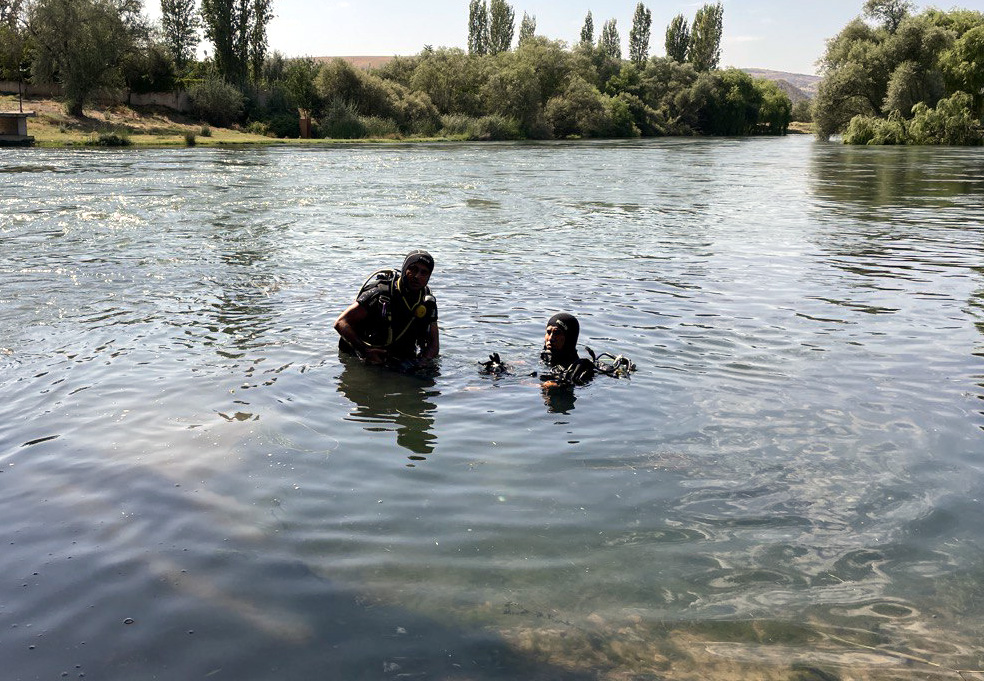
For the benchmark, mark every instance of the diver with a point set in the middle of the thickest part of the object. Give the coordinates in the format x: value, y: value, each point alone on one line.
x: 560, y: 351
x: 393, y: 320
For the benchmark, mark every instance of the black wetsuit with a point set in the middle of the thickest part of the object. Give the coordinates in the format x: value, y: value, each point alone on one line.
x: 397, y: 321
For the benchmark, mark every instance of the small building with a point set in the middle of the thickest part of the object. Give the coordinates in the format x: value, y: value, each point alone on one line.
x: 13, y: 128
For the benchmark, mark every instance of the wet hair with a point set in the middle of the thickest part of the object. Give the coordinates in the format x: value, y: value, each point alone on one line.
x: 416, y: 256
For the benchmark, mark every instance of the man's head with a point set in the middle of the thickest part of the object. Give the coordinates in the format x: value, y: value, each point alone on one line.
x: 417, y: 268
x: 561, y: 335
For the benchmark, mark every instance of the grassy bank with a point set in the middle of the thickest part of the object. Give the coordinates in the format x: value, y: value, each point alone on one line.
x: 154, y: 127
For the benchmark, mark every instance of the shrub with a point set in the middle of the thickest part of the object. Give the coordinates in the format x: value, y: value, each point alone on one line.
x: 380, y: 128
x: 342, y: 121
x: 454, y: 125
x: 876, y: 131
x: 190, y: 139
x: 495, y: 127
x: 205, y: 131
x: 216, y: 101
x: 116, y: 138
x: 284, y: 125
x: 951, y: 122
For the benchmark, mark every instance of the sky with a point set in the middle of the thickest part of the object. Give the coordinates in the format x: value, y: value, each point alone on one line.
x: 782, y: 35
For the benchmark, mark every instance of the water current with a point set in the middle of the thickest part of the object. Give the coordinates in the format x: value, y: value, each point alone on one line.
x: 791, y: 485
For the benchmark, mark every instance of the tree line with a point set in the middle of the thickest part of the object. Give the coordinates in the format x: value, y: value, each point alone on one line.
x: 895, y: 77
x: 538, y: 89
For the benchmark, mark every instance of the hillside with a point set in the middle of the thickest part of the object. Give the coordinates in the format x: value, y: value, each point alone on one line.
x: 791, y: 83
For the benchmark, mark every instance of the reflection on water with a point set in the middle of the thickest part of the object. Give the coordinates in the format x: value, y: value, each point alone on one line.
x: 383, y: 396
x: 789, y: 487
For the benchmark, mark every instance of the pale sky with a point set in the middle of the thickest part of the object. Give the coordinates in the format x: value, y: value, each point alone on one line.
x: 783, y: 35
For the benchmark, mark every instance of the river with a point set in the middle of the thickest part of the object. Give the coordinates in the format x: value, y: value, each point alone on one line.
x: 789, y: 486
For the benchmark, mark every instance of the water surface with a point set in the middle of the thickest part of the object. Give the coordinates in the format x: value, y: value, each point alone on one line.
x: 196, y: 485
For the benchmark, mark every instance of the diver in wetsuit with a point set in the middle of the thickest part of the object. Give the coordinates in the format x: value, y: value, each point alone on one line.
x: 560, y: 350
x: 394, y: 317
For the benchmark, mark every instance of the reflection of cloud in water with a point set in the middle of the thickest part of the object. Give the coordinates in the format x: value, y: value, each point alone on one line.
x: 384, y: 397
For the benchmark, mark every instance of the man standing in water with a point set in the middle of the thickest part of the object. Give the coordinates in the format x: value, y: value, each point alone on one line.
x: 560, y: 349
x: 394, y: 317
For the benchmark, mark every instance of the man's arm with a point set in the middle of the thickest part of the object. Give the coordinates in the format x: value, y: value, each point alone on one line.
x: 345, y: 325
x: 433, y: 342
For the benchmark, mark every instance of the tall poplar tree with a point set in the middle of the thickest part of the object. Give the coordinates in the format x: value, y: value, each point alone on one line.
x: 678, y: 39
x: 642, y: 24
x: 610, y: 42
x: 502, y: 25
x: 587, y: 31
x: 527, y: 28
x: 180, y: 23
x: 237, y: 31
x: 478, y: 27
x: 705, y: 37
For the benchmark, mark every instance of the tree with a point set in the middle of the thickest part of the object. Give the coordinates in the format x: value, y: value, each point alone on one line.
x: 587, y: 31
x: 609, y: 43
x: 502, y: 20
x: 82, y: 44
x: 261, y: 15
x: 237, y: 30
x: 527, y: 29
x: 705, y: 37
x: 14, y: 63
x: 180, y: 23
x: 642, y: 24
x: 889, y: 12
x: 963, y: 66
x: 478, y: 27
x: 678, y: 39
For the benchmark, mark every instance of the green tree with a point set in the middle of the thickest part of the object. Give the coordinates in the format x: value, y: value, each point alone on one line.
x: 82, y: 44
x: 502, y: 21
x: 678, y: 39
x: 237, y: 31
x: 950, y: 122
x: 527, y: 28
x: 478, y: 27
x: 587, y: 30
x: 889, y: 12
x: 705, y: 37
x: 642, y: 23
x: 963, y: 66
x: 179, y: 24
x: 14, y: 58
x: 610, y: 43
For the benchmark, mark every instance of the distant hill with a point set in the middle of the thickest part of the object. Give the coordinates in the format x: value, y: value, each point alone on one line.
x: 797, y: 85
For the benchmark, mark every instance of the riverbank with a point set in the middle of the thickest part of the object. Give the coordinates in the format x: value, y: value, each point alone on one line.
x: 159, y: 127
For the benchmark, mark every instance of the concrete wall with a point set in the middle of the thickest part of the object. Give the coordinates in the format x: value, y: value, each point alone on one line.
x: 176, y: 100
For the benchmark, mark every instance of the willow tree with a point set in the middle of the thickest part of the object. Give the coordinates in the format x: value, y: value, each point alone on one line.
x: 82, y: 44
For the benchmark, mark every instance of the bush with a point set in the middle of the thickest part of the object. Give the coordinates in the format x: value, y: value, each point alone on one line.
x: 205, y: 131
x: 455, y: 125
x: 495, y: 127
x: 216, y: 101
x: 342, y: 121
x: 284, y: 125
x: 951, y: 122
x: 190, y: 139
x: 876, y: 131
x: 380, y: 128
x: 116, y: 138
